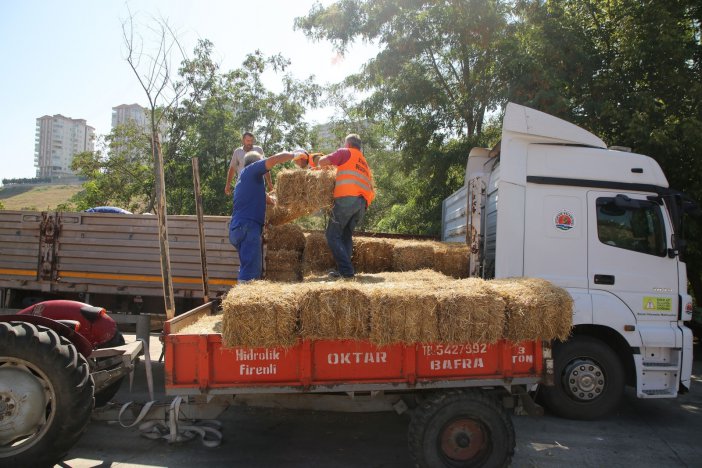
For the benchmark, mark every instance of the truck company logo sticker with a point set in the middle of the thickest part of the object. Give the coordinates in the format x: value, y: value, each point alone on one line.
x: 564, y: 220
x: 657, y: 304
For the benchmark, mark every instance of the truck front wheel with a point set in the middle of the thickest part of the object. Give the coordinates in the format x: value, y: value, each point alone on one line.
x: 46, y: 395
x: 589, y: 380
x: 459, y: 428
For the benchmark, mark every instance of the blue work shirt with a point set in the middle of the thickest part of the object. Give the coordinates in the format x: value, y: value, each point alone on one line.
x: 250, y: 195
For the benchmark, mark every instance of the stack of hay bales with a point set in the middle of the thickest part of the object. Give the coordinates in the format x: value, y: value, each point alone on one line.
x: 382, y: 254
x: 300, y: 193
x: 417, y: 307
x: 284, y: 247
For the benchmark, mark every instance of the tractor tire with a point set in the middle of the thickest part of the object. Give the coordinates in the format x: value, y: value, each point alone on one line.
x: 46, y: 395
x: 461, y: 428
x: 589, y: 380
x: 105, y: 395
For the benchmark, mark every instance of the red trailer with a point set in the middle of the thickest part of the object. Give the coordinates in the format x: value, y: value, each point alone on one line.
x: 459, y: 394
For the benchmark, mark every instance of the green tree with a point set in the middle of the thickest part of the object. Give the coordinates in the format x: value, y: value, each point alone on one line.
x: 120, y: 173
x: 209, y: 122
x: 629, y: 71
x: 432, y: 85
x: 437, y: 63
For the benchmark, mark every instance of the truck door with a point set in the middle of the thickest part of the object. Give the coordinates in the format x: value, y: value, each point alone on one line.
x: 628, y: 257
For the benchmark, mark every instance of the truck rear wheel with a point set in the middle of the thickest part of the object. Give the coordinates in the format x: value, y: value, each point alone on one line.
x: 46, y: 395
x: 589, y: 380
x: 461, y: 428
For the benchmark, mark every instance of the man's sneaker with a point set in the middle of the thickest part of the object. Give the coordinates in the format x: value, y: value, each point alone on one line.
x: 333, y: 274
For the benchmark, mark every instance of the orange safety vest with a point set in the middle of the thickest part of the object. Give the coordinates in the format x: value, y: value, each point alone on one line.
x: 354, y: 178
x: 310, y: 159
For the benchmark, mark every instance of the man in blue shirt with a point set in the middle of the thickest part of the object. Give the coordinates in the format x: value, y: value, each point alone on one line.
x: 249, y: 211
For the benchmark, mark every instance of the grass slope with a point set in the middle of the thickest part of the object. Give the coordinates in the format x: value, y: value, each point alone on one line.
x: 40, y: 198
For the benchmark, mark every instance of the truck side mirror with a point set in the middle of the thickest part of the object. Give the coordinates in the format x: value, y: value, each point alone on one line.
x: 679, y: 246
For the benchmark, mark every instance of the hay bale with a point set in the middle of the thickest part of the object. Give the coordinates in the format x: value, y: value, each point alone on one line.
x: 535, y: 309
x: 260, y: 314
x: 317, y: 258
x: 285, y: 237
x: 372, y: 255
x: 300, y: 193
x: 451, y: 259
x: 412, y: 255
x: 338, y: 310
x: 283, y: 265
x: 277, y: 215
x: 401, y: 312
x: 469, y: 312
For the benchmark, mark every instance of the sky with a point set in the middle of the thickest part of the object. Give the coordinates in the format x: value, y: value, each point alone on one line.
x: 68, y: 57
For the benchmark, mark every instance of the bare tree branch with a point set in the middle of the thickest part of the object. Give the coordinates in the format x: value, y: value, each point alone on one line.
x: 155, y: 82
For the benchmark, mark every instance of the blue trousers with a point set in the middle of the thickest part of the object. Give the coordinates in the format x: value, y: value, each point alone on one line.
x: 346, y: 214
x: 246, y: 238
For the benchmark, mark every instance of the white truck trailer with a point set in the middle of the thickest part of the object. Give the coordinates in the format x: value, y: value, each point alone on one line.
x: 551, y: 200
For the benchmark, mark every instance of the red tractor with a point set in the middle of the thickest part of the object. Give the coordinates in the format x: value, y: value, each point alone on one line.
x: 58, y: 360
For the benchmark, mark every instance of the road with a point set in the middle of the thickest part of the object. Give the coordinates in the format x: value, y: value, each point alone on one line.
x: 643, y: 433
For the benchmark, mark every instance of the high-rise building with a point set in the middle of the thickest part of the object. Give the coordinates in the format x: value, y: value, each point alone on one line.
x: 57, y: 140
x: 129, y: 112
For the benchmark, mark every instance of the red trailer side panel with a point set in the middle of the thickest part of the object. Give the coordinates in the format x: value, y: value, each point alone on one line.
x: 199, y: 364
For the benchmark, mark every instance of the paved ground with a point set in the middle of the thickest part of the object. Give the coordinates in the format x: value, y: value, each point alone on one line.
x: 643, y: 433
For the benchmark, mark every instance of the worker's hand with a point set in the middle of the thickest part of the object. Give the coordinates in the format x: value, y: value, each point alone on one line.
x: 228, y: 189
x: 299, y: 155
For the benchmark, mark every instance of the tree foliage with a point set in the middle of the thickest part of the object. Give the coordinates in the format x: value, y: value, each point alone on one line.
x: 206, y: 123
x: 432, y: 85
x: 629, y: 71
x: 221, y: 106
x: 119, y: 173
x: 438, y: 61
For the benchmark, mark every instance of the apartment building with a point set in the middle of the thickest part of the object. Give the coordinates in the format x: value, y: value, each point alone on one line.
x: 57, y: 140
x: 129, y: 113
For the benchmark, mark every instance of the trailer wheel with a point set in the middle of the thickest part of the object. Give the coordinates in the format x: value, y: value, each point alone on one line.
x: 461, y: 428
x: 46, y: 395
x: 105, y: 395
x: 589, y: 380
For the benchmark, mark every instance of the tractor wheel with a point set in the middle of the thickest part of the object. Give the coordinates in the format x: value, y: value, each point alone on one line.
x: 461, y: 428
x: 105, y: 395
x: 46, y: 395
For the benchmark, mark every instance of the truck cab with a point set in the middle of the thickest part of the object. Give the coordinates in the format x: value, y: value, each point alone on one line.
x: 551, y: 200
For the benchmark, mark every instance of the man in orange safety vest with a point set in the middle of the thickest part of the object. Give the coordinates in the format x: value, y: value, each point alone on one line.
x: 353, y: 194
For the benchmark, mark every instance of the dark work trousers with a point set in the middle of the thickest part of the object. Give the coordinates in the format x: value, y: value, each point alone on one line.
x: 246, y: 237
x: 346, y: 214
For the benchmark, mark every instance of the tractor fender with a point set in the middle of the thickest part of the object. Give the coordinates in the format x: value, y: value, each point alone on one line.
x: 79, y: 341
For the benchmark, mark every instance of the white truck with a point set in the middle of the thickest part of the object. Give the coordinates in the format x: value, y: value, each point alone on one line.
x: 551, y: 200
